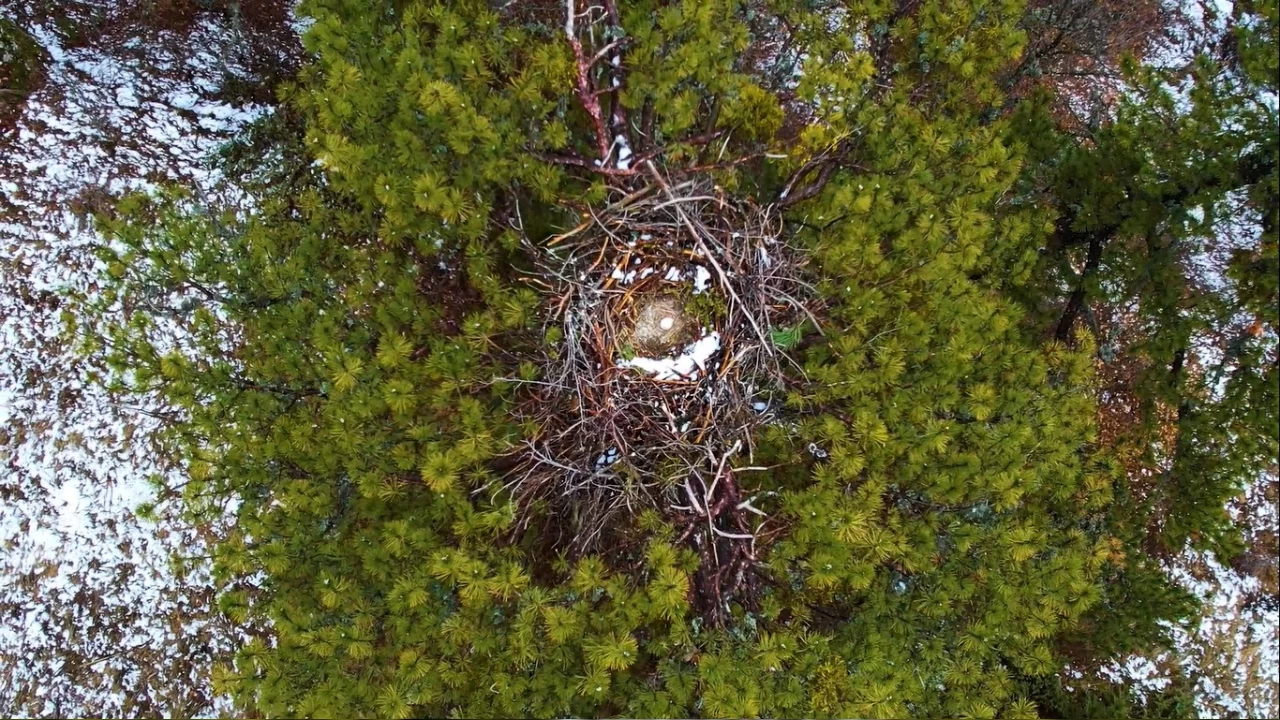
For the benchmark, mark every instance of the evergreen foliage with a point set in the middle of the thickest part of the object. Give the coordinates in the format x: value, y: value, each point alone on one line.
x: 1166, y: 223
x: 1104, y: 699
x: 941, y: 515
x: 21, y: 68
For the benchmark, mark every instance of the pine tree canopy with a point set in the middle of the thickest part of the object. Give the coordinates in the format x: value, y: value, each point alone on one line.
x: 896, y: 487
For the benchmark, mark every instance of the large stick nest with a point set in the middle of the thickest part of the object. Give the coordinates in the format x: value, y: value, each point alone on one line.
x: 674, y: 306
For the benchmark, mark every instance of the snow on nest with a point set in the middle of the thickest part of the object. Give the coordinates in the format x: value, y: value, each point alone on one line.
x: 629, y: 276
x: 684, y: 366
x: 701, y: 279
x: 624, y: 278
x: 607, y: 458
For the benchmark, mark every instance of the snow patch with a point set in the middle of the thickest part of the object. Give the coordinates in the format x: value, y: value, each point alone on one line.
x: 624, y: 153
x: 684, y: 366
x: 701, y: 279
x: 623, y: 278
x: 607, y: 458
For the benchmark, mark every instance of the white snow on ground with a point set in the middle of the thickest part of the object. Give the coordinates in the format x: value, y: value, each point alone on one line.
x: 623, y: 278
x: 82, y: 578
x: 684, y: 366
x: 1232, y: 654
x: 607, y: 458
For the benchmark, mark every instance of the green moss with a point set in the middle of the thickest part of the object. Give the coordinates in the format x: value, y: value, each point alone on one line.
x: 709, y: 308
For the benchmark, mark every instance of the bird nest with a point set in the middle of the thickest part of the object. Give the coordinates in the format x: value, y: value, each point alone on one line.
x: 671, y: 312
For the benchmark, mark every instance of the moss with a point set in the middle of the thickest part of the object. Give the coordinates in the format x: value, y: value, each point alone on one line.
x: 709, y: 308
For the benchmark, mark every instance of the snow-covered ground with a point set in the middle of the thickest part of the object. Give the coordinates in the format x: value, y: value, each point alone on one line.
x: 95, y: 618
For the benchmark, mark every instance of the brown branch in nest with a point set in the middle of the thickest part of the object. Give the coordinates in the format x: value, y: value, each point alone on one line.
x: 726, y: 164
x: 702, y: 138
x: 729, y: 561
x: 826, y: 167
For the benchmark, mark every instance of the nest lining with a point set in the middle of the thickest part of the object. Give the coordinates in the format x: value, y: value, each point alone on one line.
x: 660, y: 326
